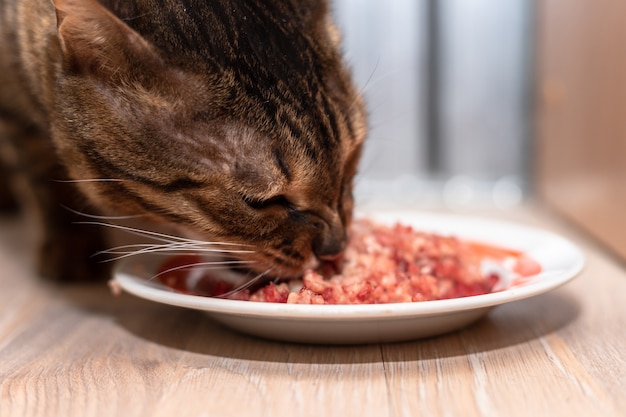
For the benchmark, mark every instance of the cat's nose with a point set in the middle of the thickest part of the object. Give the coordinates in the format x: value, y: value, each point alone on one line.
x: 329, y: 245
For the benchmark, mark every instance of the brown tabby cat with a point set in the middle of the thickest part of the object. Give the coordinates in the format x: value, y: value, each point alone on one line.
x: 232, y: 118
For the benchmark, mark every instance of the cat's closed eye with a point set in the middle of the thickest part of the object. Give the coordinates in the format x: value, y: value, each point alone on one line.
x: 278, y: 201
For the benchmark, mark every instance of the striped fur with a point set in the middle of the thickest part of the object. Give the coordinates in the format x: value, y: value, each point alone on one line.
x: 234, y: 119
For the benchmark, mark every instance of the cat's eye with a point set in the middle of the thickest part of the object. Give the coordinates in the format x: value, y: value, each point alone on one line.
x: 276, y: 201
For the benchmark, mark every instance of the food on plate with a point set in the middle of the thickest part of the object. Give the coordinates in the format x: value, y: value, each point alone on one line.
x: 381, y: 264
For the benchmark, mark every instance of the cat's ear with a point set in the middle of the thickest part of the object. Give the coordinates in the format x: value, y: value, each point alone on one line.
x: 95, y: 42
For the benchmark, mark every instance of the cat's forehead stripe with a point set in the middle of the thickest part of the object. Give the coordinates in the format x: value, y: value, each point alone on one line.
x: 281, y: 163
x: 110, y: 170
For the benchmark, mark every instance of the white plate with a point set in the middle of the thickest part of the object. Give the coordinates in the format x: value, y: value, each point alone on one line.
x: 351, y: 324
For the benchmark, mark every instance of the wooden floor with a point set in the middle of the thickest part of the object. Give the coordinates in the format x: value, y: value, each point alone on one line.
x: 76, y: 350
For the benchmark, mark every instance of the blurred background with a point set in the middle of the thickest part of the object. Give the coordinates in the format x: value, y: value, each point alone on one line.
x: 447, y: 86
x: 490, y: 102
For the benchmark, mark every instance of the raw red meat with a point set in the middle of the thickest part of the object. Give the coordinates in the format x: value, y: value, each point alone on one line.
x: 383, y: 264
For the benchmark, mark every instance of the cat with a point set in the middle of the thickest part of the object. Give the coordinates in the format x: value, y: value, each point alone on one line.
x: 235, y: 119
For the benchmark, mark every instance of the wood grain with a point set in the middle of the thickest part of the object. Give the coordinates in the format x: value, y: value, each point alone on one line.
x: 76, y: 350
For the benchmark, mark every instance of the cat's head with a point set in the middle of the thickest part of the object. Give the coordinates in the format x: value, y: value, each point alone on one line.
x: 235, y: 119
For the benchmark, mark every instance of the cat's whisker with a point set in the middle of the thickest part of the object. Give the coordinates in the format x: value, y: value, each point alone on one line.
x: 204, y: 247
x: 172, y: 245
x: 91, y: 180
x: 122, y: 255
x: 98, y: 217
x: 128, y: 19
x: 145, y: 248
x: 366, y: 85
x: 371, y: 81
x: 161, y: 236
x: 204, y: 266
x: 125, y: 251
x: 245, y: 285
